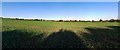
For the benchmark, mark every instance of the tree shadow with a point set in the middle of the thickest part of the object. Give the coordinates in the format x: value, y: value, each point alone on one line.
x: 97, y: 38
x: 24, y: 39
x: 20, y: 39
x: 63, y: 39
x: 102, y: 37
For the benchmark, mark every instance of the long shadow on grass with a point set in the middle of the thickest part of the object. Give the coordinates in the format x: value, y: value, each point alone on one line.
x: 20, y: 39
x: 63, y: 39
x: 97, y: 38
x: 102, y: 37
x: 23, y: 39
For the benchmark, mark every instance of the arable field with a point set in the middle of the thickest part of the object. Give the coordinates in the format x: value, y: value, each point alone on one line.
x: 48, y: 34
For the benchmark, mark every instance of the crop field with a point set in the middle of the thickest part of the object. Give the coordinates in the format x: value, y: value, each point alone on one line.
x: 49, y: 34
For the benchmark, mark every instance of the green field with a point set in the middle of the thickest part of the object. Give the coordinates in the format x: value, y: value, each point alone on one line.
x: 48, y: 34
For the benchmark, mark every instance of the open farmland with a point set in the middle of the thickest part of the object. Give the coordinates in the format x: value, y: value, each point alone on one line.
x: 48, y: 34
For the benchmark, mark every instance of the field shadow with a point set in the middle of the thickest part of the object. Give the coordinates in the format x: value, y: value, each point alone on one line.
x: 102, y: 37
x: 23, y: 39
x: 96, y: 38
x: 20, y: 39
x: 63, y: 39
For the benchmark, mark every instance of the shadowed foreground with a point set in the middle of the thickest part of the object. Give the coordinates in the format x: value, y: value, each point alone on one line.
x: 97, y: 38
x: 102, y: 37
x: 20, y: 39
x: 60, y: 39
x: 63, y: 39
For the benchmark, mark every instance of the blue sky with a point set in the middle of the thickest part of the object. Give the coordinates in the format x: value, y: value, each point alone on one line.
x: 60, y: 0
x: 0, y: 9
x: 61, y: 10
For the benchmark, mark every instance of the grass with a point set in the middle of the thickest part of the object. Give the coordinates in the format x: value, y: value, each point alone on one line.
x: 48, y: 34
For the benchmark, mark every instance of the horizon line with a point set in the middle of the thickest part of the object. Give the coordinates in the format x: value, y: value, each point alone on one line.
x: 60, y: 19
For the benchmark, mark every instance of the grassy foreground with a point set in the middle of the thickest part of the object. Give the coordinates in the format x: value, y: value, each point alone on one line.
x: 48, y: 34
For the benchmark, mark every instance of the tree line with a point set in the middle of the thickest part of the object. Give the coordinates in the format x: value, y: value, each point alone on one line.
x: 111, y: 20
x: 100, y: 20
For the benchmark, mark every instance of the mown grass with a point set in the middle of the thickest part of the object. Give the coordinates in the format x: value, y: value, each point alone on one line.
x: 47, y: 34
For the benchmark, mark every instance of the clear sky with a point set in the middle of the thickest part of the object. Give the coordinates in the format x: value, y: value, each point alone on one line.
x: 60, y: 0
x: 61, y: 10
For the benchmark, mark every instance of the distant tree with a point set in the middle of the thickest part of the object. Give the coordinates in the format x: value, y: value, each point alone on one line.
x: 111, y: 20
x: 117, y: 20
x: 87, y: 21
x: 16, y: 19
x: 100, y: 20
x: 36, y: 19
x: 66, y: 21
x: 75, y: 20
x: 83, y: 21
x: 60, y: 20
x: 79, y: 20
x: 93, y: 21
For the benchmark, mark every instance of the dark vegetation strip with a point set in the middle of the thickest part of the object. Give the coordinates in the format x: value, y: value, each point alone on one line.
x: 100, y: 20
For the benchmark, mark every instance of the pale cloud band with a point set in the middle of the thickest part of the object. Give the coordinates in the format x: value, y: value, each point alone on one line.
x: 60, y: 0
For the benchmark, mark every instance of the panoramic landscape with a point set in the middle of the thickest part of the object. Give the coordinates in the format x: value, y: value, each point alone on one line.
x: 60, y: 25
